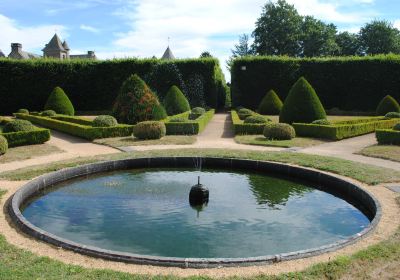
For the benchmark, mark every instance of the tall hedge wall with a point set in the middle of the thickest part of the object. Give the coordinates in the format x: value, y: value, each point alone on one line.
x: 348, y: 83
x: 91, y: 85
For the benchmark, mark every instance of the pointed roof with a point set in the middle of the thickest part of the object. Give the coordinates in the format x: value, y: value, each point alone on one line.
x: 168, y: 55
x: 54, y: 44
x: 65, y: 46
x: 2, y: 54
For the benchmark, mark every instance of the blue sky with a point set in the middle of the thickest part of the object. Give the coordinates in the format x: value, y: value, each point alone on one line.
x: 141, y: 28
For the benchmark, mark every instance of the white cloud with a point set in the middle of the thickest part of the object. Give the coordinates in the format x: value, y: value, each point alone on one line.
x: 89, y: 28
x: 32, y: 38
x: 396, y: 24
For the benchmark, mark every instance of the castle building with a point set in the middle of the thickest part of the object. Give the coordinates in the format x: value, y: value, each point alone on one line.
x: 18, y: 53
x: 168, y: 55
x: 2, y: 54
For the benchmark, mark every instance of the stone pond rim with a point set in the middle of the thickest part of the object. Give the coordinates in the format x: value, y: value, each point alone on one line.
x: 343, y: 188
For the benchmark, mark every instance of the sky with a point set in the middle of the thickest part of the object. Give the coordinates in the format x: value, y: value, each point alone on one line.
x: 141, y: 28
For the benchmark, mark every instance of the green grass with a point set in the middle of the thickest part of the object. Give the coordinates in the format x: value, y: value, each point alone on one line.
x: 363, y: 172
x: 260, y: 140
x: 380, y: 261
x: 28, y: 152
x: 131, y: 141
x: 390, y: 152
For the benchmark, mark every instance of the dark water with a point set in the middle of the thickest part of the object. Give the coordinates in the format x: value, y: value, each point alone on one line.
x: 147, y: 212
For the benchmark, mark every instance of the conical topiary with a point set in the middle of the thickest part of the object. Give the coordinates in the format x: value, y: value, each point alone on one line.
x: 135, y: 101
x: 59, y: 102
x: 175, y: 102
x: 159, y: 113
x: 302, y: 104
x: 387, y: 104
x: 271, y: 104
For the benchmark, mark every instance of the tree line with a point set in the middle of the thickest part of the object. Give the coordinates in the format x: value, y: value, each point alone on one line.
x: 281, y: 30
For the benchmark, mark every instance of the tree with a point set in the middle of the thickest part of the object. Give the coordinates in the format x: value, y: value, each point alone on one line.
x: 348, y: 43
x: 241, y: 49
x: 205, y: 54
x: 379, y: 37
x: 318, y: 38
x: 278, y: 30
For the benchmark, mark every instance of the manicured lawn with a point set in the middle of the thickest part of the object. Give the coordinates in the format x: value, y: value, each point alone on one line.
x: 363, y: 172
x: 28, y: 152
x: 390, y: 152
x: 131, y: 141
x: 381, y: 261
x: 260, y: 140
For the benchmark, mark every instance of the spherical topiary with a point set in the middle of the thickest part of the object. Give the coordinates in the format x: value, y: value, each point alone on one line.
x: 18, y: 125
x: 159, y: 112
x: 271, y: 104
x: 135, y: 101
x: 59, y: 102
x: 175, y: 102
x: 149, y: 130
x: 23, y: 111
x: 48, y: 113
x: 279, y: 131
x: 387, y: 104
x: 302, y: 104
x: 256, y: 119
x: 104, y: 121
x: 397, y: 127
x: 3, y: 145
x: 243, y: 113
x: 392, y: 115
x: 198, y: 110
x: 322, y: 122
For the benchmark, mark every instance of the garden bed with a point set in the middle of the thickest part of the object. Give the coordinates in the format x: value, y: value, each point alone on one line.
x: 260, y: 140
x: 344, y: 129
x: 189, y: 127
x: 78, y: 126
x: 241, y: 128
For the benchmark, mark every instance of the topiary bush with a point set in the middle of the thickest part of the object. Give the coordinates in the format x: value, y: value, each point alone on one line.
x: 59, y: 102
x: 302, y: 104
x: 175, y: 102
x: 3, y: 145
x: 256, y: 119
x: 322, y: 122
x: 392, y: 115
x: 178, y: 119
x: 198, y: 110
x: 279, y: 131
x: 23, y: 111
x: 243, y: 113
x: 135, y: 102
x: 48, y: 113
x: 388, y: 104
x: 271, y: 104
x: 149, y: 130
x: 18, y: 125
x: 159, y: 112
x: 104, y: 121
x: 397, y: 127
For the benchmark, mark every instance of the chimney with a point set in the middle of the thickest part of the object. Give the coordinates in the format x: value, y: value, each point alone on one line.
x: 16, y: 47
x: 90, y: 53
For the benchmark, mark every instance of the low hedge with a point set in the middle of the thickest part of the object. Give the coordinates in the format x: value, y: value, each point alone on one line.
x: 76, y: 120
x: 190, y: 127
x: 84, y: 131
x: 23, y: 138
x: 343, y: 130
x: 388, y: 136
x: 242, y: 128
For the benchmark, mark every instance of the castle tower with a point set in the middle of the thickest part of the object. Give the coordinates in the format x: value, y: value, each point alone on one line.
x: 168, y: 55
x: 55, y: 49
x: 66, y: 48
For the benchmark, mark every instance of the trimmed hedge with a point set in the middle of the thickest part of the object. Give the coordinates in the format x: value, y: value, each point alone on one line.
x: 388, y: 136
x: 271, y: 104
x: 348, y: 83
x: 190, y: 127
x: 175, y: 102
x: 71, y: 119
x: 84, y: 131
x: 149, y: 130
x: 23, y: 138
x: 279, y: 131
x: 240, y: 128
x: 302, y: 104
x: 92, y: 85
x: 343, y: 130
x: 59, y: 102
x: 18, y: 125
x: 388, y: 104
x: 104, y: 121
x: 3, y: 145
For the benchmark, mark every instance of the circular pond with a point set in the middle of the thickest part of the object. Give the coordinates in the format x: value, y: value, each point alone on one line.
x: 144, y: 213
